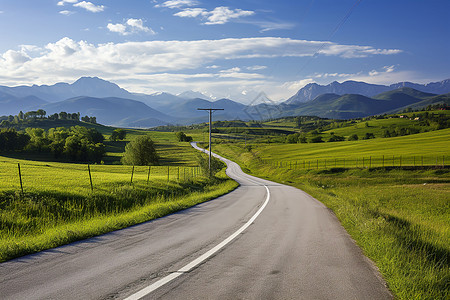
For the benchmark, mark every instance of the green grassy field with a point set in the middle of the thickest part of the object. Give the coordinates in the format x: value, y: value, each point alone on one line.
x: 430, y: 145
x: 58, y: 205
x: 399, y: 217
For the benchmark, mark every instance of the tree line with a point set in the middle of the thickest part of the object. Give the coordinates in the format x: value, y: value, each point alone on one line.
x: 41, y: 114
x: 76, y: 143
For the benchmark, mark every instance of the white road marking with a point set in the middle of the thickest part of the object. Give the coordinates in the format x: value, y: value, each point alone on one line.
x: 200, y: 259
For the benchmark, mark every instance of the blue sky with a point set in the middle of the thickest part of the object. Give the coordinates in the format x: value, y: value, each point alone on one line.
x: 224, y: 48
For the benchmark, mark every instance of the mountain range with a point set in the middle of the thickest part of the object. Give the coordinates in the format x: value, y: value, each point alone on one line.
x: 116, y: 106
x: 312, y: 90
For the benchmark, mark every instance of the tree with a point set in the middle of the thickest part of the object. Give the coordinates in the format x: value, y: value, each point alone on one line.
x: 336, y: 138
x: 141, y: 152
x: 368, y: 136
x: 41, y: 113
x: 353, y: 137
x: 216, y: 164
x: 317, y: 139
x: 11, y: 140
x: 63, y: 115
x: 182, y: 137
x: 118, y: 134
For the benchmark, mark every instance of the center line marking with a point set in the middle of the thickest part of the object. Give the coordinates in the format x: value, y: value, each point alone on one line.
x: 147, y: 290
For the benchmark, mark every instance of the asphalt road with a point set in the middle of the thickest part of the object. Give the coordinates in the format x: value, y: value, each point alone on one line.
x: 262, y: 241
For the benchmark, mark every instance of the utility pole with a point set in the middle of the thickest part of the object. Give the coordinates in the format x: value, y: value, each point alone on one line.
x: 211, y: 110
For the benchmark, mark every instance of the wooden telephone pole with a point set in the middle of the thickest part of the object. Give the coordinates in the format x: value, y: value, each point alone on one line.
x: 211, y: 110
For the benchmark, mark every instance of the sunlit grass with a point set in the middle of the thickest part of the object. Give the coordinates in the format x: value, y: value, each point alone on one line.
x: 399, y: 217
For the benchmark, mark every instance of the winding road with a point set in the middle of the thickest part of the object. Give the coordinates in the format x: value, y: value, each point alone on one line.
x: 262, y: 241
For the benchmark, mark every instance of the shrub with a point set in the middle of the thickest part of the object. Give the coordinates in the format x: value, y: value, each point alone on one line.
x: 317, y: 139
x: 182, y: 137
x: 353, y: 137
x: 140, y: 152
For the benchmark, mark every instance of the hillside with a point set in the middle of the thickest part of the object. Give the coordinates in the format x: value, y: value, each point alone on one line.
x: 9, y: 104
x: 109, y: 111
x: 312, y: 90
x: 351, y: 106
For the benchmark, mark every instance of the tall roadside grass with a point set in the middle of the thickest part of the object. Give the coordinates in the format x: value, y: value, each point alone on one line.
x: 58, y: 206
x: 400, y: 218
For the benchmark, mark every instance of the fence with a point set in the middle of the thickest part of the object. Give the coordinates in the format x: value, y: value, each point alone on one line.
x: 27, y: 176
x: 383, y: 161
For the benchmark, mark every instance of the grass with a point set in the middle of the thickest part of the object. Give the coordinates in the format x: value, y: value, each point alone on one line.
x: 430, y: 145
x: 54, y: 212
x: 399, y: 217
x: 59, y: 207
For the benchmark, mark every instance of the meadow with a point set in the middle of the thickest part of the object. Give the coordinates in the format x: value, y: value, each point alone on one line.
x: 400, y: 217
x: 59, y: 205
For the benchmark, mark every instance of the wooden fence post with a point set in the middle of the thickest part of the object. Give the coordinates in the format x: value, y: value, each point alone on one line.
x: 148, y: 175
x: 90, y: 178
x: 20, y: 178
x: 132, y: 173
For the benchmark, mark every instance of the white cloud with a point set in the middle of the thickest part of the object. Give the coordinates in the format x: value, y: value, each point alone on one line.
x: 14, y: 58
x: 389, y: 69
x: 62, y: 2
x: 294, y: 86
x: 256, y: 68
x: 232, y: 70
x: 129, y: 27
x: 222, y: 14
x: 138, y: 25
x: 178, y: 3
x: 157, y: 61
x: 219, y: 15
x: 119, y: 28
x: 89, y: 6
x: 192, y: 13
x: 66, y: 12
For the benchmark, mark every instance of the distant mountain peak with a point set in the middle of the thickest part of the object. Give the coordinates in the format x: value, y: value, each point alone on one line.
x: 312, y: 90
x: 192, y: 95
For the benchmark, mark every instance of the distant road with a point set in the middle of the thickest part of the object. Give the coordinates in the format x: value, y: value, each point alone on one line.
x: 262, y: 241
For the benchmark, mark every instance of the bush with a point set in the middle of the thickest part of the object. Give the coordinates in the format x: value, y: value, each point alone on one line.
x: 216, y: 164
x: 182, y: 137
x: 368, y: 136
x: 317, y: 139
x: 353, y: 137
x: 336, y: 138
x: 11, y: 140
x: 140, y: 152
x: 118, y: 134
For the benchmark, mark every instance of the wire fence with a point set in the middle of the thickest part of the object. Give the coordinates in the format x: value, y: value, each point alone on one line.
x: 29, y: 176
x: 383, y: 161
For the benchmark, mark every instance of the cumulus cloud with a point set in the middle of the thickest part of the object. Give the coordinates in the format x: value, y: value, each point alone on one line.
x: 129, y: 27
x: 62, y: 2
x: 256, y: 68
x: 119, y: 28
x: 66, y: 12
x: 178, y: 3
x: 294, y: 86
x: 222, y: 14
x: 89, y: 6
x: 219, y: 15
x: 68, y: 59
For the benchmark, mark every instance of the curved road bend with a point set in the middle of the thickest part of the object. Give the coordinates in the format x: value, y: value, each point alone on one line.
x: 280, y: 244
